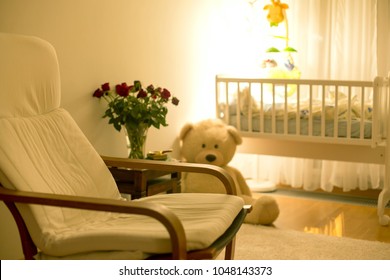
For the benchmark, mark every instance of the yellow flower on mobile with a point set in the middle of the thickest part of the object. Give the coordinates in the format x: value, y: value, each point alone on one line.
x: 276, y: 12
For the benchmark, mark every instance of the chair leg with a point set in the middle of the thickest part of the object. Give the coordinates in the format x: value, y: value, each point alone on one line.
x: 229, y: 250
x: 28, y: 246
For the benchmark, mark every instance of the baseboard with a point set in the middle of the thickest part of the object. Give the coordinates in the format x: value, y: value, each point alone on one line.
x: 369, y: 194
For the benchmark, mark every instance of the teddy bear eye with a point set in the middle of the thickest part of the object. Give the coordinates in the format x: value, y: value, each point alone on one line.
x: 216, y: 146
x: 203, y: 145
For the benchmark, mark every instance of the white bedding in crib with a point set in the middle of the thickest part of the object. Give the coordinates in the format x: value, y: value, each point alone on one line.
x: 271, y: 117
x: 304, y: 127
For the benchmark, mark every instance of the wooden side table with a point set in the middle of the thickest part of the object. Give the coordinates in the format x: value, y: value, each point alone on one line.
x: 145, y: 182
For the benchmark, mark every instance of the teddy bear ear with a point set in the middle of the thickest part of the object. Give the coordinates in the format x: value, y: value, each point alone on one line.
x: 185, y: 129
x: 234, y: 133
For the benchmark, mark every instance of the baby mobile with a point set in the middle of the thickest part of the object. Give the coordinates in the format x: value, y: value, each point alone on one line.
x: 276, y: 64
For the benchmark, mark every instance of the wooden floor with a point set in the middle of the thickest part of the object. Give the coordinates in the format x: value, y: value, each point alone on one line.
x: 330, y: 218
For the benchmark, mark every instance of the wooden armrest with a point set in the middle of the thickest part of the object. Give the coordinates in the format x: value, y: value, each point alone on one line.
x: 213, y: 170
x: 156, y: 211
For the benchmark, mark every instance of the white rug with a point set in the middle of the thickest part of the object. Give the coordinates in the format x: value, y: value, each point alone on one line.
x: 269, y: 243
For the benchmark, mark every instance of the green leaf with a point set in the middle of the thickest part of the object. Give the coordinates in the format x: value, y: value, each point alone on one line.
x: 281, y: 37
x: 137, y: 85
x: 290, y: 49
x: 117, y: 126
x: 272, y: 49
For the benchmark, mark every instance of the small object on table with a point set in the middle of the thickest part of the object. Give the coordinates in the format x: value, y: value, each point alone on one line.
x: 158, y: 155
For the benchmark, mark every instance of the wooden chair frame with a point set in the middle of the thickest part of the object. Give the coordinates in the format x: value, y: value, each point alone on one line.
x: 159, y: 212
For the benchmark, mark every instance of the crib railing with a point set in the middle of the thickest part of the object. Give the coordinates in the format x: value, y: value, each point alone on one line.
x: 306, y: 110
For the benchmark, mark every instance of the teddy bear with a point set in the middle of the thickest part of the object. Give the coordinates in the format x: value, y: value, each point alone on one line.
x: 213, y: 142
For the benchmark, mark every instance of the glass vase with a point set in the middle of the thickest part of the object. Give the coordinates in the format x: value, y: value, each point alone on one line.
x: 136, y: 140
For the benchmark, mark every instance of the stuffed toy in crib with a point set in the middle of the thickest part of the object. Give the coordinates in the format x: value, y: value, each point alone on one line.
x: 213, y: 142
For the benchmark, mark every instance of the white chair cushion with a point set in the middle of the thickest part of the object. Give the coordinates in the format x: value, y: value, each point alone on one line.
x: 48, y: 153
x: 29, y: 76
x: 139, y: 235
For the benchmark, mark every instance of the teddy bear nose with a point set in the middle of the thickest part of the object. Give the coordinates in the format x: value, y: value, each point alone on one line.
x: 211, y: 158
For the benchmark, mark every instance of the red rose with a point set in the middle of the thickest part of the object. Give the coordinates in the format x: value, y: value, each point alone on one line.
x: 122, y: 89
x: 106, y: 87
x: 165, y: 94
x: 175, y: 101
x: 98, y: 93
x: 142, y: 94
x: 150, y: 88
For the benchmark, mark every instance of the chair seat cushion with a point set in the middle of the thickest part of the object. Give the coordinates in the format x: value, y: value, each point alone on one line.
x: 205, y: 217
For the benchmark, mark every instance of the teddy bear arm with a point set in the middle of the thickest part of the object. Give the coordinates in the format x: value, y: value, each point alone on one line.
x: 241, y: 182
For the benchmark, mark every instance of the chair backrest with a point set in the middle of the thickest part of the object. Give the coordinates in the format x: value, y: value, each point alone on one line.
x: 41, y: 147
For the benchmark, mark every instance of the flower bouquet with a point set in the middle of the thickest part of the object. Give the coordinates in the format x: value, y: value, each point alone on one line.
x: 137, y: 109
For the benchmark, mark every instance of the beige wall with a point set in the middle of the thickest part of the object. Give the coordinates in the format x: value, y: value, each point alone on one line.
x: 383, y: 37
x: 162, y: 42
x: 165, y: 42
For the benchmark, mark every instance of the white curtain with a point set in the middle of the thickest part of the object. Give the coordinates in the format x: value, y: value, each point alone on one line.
x: 335, y: 39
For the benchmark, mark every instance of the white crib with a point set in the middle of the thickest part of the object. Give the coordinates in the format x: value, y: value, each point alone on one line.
x: 318, y: 119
